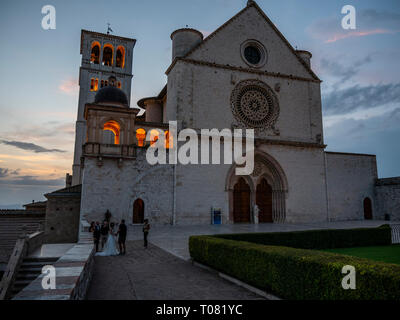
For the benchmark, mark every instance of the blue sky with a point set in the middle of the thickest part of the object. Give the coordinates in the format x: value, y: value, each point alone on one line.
x: 359, y: 68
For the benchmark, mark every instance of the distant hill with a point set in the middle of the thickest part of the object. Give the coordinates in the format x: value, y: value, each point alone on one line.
x: 11, y: 206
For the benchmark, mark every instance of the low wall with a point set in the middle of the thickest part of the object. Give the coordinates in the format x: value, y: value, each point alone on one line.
x: 73, y: 273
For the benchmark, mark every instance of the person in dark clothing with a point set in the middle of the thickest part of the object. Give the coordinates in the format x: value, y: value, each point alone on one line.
x: 122, y: 231
x: 105, y: 229
x: 146, y: 228
x: 92, y: 226
x: 96, y: 235
x: 107, y: 215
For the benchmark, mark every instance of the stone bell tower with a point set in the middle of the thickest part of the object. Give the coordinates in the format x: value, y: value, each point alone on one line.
x: 103, y: 55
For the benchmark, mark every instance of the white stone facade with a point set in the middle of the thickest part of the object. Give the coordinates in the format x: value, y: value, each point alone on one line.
x: 305, y: 183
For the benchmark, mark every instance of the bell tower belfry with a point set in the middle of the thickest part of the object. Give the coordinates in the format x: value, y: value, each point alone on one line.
x: 103, y: 55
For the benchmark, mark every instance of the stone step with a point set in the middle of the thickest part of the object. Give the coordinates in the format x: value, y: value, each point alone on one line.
x: 30, y: 270
x: 34, y: 264
x: 27, y: 276
x: 45, y: 260
x: 21, y: 283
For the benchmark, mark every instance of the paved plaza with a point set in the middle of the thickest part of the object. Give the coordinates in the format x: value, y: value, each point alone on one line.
x: 163, y: 271
x: 154, y: 274
x: 174, y: 239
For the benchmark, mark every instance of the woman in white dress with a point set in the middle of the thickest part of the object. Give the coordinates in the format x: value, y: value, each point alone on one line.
x: 110, y: 248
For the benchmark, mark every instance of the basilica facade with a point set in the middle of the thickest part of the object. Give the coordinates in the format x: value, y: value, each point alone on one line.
x: 243, y: 75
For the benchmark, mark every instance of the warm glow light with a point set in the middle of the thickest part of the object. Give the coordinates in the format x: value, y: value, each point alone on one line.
x: 153, y: 136
x: 168, y: 141
x: 140, y: 136
x: 115, y: 128
x: 95, y: 53
x: 120, y: 58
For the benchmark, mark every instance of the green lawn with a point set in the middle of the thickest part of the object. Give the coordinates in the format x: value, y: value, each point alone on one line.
x: 389, y: 254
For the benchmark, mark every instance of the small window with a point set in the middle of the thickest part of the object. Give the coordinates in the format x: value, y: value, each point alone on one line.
x: 95, y: 53
x: 92, y: 84
x: 168, y: 141
x: 102, y: 84
x: 96, y: 84
x: 106, y: 83
x: 140, y: 136
x: 119, y: 85
x: 120, y: 57
x: 108, y: 52
x: 252, y: 54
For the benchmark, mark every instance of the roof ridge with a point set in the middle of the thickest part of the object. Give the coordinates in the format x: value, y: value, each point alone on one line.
x: 308, y: 68
x: 255, y: 5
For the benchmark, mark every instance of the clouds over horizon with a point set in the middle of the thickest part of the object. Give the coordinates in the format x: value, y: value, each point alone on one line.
x: 5, y: 172
x: 30, y: 146
x: 360, y: 98
x: 368, y: 22
x: 33, y: 181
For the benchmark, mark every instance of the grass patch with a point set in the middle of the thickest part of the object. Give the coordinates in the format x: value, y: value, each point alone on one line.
x: 388, y: 254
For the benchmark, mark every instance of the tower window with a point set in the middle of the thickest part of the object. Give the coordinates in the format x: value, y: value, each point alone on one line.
x: 108, y: 52
x: 113, y: 129
x: 95, y: 53
x: 120, y: 57
x: 119, y: 85
x: 106, y: 83
x: 94, y: 84
x: 140, y: 136
x: 102, y: 84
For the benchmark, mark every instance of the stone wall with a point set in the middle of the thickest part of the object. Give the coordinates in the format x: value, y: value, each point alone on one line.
x: 200, y: 87
x: 116, y: 187
x: 388, y: 197
x: 351, y: 178
x: 62, y: 217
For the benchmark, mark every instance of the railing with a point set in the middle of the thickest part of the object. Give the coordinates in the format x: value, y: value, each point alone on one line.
x: 23, y: 246
x: 395, y: 233
x: 113, y: 150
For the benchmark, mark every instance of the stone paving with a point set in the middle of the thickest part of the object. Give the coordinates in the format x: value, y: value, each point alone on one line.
x: 155, y: 274
x: 174, y: 239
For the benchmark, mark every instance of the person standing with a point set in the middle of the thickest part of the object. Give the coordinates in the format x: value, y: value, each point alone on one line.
x: 104, y: 233
x: 96, y: 235
x: 146, y: 228
x: 122, y: 231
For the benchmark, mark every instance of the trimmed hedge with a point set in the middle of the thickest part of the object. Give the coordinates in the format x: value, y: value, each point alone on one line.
x: 319, y: 239
x: 297, y: 273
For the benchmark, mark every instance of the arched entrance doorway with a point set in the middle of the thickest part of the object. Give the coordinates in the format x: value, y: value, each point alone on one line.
x: 241, y: 202
x: 367, y: 209
x: 264, y: 201
x: 267, y: 187
x: 138, y: 211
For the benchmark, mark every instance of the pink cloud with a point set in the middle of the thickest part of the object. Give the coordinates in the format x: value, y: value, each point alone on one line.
x: 205, y: 33
x: 69, y: 86
x: 340, y: 36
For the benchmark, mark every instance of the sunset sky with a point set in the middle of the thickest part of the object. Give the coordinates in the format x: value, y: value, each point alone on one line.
x: 39, y: 71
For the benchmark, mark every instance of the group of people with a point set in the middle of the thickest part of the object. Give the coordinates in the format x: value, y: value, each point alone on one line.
x: 105, y: 235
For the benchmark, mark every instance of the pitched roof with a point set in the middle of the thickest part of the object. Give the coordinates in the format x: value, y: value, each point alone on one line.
x: 66, y: 191
x: 255, y: 5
